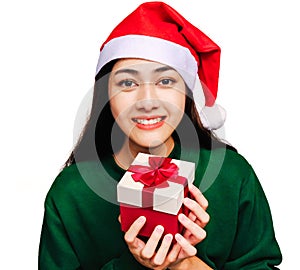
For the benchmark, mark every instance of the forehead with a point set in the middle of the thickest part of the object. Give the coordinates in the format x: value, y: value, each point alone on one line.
x: 140, y: 65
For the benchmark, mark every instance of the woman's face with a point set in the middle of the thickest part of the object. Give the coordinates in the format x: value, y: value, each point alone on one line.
x: 147, y: 100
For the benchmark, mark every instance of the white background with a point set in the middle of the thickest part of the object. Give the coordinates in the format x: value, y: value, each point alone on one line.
x: 48, y: 56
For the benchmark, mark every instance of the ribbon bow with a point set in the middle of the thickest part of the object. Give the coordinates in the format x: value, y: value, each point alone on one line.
x: 158, y: 172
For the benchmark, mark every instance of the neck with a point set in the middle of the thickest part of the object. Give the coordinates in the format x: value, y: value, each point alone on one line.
x: 130, y: 149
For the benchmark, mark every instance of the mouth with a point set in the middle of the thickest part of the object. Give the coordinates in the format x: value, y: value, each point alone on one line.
x: 149, y: 122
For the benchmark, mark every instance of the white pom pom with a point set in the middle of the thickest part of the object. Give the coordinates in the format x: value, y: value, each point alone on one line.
x: 213, y: 117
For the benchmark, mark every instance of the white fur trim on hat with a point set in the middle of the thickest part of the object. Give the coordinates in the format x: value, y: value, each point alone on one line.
x: 154, y: 49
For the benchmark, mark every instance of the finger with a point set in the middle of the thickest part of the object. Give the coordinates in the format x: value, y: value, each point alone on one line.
x: 199, y: 197
x: 131, y: 234
x: 150, y: 247
x: 188, y: 235
x: 119, y: 218
x: 185, y: 245
x: 173, y: 254
x: 197, y: 212
x: 162, y: 252
x: 195, y: 230
x: 192, y: 217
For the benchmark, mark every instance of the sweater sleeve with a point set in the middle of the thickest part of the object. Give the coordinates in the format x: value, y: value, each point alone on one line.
x: 56, y: 251
x: 255, y: 246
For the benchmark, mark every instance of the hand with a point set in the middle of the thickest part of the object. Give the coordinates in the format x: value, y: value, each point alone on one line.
x: 148, y: 254
x: 197, y: 219
x: 194, y: 223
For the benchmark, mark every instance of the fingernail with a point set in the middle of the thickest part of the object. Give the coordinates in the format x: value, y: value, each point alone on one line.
x: 178, y: 237
x: 142, y: 219
x: 181, y: 217
x: 187, y: 201
x: 159, y: 228
x: 168, y: 237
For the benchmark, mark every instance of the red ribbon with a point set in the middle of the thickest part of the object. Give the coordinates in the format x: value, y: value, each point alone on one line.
x: 159, y: 171
x: 155, y: 175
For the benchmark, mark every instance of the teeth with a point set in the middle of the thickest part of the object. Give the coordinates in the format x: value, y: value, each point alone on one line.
x: 147, y: 122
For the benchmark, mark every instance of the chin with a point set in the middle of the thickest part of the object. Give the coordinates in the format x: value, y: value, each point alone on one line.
x: 151, y: 142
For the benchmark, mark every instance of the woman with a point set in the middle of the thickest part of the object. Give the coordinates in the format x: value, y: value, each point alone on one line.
x: 146, y: 86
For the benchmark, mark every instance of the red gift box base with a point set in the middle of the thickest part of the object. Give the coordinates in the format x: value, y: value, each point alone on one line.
x: 153, y: 218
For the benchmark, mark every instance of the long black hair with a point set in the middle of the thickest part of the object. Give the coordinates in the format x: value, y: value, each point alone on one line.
x: 95, y: 141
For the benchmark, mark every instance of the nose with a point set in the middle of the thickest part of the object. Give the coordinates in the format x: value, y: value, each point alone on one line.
x: 147, y: 99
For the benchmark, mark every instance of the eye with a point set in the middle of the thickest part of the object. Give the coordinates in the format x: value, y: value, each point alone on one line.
x: 166, y: 82
x: 127, y: 84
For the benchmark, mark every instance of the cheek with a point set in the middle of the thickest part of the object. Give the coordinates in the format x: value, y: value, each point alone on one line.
x: 181, y: 102
x: 114, y: 107
x: 119, y: 105
x: 176, y: 101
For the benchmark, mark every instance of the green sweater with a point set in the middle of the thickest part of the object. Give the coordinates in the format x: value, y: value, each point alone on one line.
x: 81, y: 229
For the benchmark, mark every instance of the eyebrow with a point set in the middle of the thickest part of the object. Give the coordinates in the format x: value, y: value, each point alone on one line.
x: 135, y: 72
x: 127, y: 70
x: 164, y: 68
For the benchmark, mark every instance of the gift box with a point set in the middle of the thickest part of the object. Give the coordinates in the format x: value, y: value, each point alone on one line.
x: 154, y: 187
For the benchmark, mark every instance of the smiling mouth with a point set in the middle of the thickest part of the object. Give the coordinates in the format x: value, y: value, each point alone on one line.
x: 149, y: 123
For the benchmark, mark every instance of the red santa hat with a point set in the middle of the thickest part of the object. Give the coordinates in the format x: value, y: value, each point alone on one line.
x: 157, y: 32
